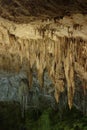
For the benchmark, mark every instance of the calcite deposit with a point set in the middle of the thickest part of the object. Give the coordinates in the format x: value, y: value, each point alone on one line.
x: 58, y: 47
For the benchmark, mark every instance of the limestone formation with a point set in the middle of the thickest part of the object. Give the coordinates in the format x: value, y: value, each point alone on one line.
x: 62, y: 54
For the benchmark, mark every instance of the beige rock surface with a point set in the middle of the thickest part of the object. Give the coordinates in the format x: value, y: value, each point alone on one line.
x: 60, y: 47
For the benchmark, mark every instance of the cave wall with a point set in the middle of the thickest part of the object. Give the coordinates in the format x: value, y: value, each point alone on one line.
x: 59, y: 47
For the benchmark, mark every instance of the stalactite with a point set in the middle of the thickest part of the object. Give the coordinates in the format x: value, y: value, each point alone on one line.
x: 57, y: 95
x: 61, y: 58
x: 69, y: 71
x: 30, y: 77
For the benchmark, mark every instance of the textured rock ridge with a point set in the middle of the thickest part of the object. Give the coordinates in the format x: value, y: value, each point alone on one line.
x: 26, y: 10
x: 59, y: 47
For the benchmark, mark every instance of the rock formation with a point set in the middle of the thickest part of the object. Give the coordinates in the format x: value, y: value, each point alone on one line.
x: 60, y: 48
x: 24, y: 11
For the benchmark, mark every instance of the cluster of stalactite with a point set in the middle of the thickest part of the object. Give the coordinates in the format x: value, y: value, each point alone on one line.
x: 59, y: 57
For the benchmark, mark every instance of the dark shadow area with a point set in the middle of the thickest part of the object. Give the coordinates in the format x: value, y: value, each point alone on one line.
x: 28, y: 10
x: 37, y: 119
x: 10, y: 116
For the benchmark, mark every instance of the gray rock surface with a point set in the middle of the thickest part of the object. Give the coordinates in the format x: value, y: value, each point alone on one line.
x: 14, y: 87
x: 10, y: 86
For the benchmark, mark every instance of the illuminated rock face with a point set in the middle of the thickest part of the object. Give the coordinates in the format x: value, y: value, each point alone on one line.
x: 60, y: 47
